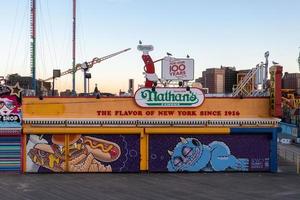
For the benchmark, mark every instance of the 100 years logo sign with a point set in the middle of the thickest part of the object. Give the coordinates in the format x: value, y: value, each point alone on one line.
x: 177, y: 68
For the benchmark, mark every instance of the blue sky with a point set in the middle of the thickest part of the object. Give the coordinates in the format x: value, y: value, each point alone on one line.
x: 213, y: 32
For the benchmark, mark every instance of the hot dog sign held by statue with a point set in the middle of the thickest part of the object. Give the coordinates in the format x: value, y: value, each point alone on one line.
x: 150, y: 75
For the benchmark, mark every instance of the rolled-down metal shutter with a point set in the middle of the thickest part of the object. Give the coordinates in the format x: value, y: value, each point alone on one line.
x: 10, y: 151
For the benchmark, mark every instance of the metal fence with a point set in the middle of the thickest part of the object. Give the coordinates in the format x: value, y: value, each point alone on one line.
x: 290, y: 155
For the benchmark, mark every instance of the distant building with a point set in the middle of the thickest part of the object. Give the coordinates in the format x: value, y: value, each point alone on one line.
x: 124, y: 94
x: 200, y: 80
x: 218, y: 80
x: 230, y: 78
x: 225, y: 79
x: 53, y: 93
x: 107, y: 94
x: 66, y: 93
x: 214, y: 80
x: 291, y: 81
x: 25, y: 82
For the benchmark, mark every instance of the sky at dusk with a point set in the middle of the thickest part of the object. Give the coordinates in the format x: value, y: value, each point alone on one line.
x: 213, y: 32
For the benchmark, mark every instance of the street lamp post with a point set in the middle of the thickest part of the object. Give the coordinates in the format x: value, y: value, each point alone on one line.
x: 88, y: 76
x: 56, y: 74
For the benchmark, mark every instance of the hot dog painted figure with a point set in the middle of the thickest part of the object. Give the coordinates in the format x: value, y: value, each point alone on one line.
x: 85, y: 154
x: 190, y: 155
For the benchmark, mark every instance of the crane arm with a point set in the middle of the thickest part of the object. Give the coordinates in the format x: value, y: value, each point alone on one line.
x: 89, y: 64
x: 98, y: 60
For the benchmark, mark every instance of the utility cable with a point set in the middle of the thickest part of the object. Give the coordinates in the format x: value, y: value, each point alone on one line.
x: 18, y: 40
x: 44, y: 29
x: 41, y: 44
x: 12, y: 35
x: 81, y: 29
x: 51, y: 34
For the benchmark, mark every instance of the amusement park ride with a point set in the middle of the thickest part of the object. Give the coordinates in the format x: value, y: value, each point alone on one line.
x: 259, y: 74
x: 290, y: 105
x: 56, y: 73
x: 289, y: 99
x: 291, y: 111
x: 84, y: 67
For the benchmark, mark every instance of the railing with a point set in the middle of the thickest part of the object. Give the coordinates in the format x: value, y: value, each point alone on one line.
x: 290, y: 155
x: 242, y: 84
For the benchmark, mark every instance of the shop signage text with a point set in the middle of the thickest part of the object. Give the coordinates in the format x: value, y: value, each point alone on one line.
x: 121, y: 113
x: 169, y: 97
x: 9, y: 118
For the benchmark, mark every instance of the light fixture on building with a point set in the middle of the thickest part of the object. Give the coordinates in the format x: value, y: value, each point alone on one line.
x: 153, y: 88
x: 56, y: 74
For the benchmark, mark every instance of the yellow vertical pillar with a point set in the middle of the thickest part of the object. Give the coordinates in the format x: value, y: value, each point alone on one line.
x: 144, y: 151
x: 24, y: 154
x: 67, y: 136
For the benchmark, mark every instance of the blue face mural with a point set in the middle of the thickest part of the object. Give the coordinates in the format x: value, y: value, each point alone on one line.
x: 190, y: 155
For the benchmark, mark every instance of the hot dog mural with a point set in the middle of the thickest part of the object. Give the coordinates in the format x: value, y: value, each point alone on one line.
x: 85, y: 153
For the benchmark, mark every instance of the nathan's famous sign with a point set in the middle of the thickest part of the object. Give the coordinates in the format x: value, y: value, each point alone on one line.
x: 169, y: 97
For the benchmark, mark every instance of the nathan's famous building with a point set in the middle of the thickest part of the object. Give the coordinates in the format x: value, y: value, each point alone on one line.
x: 160, y: 129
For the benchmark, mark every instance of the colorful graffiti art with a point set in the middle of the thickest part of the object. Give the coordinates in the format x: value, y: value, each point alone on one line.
x: 85, y: 153
x: 10, y: 127
x: 10, y: 153
x: 10, y: 112
x: 188, y: 153
x: 43, y: 154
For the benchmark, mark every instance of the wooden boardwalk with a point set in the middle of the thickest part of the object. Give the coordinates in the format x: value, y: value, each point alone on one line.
x: 150, y: 186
